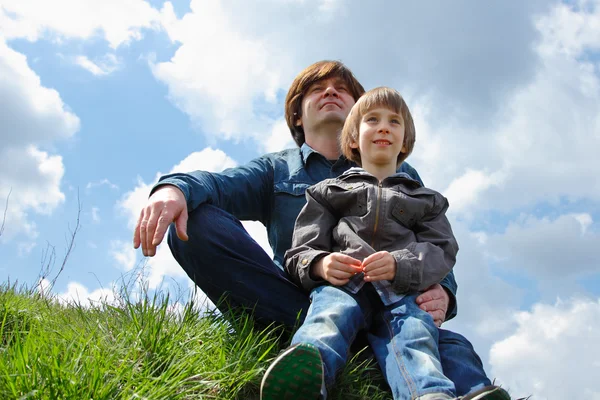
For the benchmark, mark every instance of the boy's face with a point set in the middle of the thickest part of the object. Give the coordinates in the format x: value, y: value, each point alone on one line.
x: 326, y: 101
x: 380, y: 137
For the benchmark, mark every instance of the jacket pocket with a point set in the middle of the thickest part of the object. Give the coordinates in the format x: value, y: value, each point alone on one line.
x: 348, y: 198
x: 403, y: 213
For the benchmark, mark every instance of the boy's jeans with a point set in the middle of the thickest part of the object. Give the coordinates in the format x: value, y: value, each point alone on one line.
x: 222, y: 258
x: 403, y: 338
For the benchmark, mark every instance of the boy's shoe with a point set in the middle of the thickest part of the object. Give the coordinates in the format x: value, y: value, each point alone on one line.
x: 491, y: 392
x: 296, y: 374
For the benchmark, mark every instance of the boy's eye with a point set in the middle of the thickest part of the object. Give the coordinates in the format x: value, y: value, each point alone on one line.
x: 396, y: 121
x: 371, y: 119
x: 342, y: 89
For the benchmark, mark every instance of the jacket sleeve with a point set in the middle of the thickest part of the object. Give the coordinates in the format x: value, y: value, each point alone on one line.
x: 242, y: 191
x: 449, y: 282
x: 432, y: 256
x: 312, y: 238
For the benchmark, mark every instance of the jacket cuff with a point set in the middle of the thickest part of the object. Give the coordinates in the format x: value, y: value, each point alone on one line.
x: 408, y: 271
x: 305, y: 264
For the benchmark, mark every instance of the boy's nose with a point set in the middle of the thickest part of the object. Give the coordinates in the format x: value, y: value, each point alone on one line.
x: 384, y: 129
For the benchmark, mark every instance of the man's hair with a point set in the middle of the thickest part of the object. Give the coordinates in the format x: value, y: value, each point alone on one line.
x: 375, y: 98
x: 318, y: 71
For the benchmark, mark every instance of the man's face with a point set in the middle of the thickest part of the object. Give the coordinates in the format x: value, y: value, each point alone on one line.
x: 327, y: 101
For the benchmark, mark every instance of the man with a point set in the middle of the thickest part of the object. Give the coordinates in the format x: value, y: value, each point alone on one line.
x: 211, y: 245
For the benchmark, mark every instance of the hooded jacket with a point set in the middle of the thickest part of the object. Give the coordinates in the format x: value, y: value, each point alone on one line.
x: 357, y: 215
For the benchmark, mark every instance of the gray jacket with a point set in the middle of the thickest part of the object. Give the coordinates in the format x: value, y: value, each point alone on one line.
x: 356, y: 215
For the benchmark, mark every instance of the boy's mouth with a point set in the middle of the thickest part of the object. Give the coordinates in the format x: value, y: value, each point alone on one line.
x: 381, y: 141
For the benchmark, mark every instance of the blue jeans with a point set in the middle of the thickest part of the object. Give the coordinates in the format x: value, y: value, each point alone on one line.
x: 403, y: 338
x: 223, y: 260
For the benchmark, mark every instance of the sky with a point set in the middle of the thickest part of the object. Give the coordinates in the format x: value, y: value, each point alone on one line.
x: 98, y: 98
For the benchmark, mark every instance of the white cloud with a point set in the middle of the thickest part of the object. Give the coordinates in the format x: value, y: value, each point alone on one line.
x: 544, y: 132
x: 31, y: 116
x: 77, y: 293
x: 118, y: 21
x: 280, y: 138
x: 553, y: 352
x: 95, y: 213
x: 219, y: 72
x: 558, y: 249
x: 123, y: 253
x: 105, y: 66
x: 103, y: 182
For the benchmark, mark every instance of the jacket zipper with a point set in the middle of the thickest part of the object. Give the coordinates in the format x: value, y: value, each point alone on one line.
x: 376, y: 214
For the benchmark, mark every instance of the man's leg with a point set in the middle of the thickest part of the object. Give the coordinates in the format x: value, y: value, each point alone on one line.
x: 460, y: 362
x: 223, y: 259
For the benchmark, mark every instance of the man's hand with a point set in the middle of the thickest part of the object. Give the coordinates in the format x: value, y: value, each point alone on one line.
x: 165, y: 205
x: 435, y: 301
x: 379, y: 266
x: 336, y: 268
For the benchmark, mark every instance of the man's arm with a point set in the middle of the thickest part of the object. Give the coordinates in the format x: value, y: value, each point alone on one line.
x: 242, y: 191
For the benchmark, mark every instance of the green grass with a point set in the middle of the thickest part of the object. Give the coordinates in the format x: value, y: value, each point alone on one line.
x: 141, y: 350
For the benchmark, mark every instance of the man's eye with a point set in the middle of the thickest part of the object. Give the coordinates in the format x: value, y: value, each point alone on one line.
x: 316, y: 88
x: 342, y: 89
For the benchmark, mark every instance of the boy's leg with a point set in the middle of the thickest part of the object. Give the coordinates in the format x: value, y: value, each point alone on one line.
x: 223, y: 259
x: 405, y: 342
x: 331, y: 325
x: 461, y: 363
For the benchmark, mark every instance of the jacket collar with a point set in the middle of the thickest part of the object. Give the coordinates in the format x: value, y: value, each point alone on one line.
x: 398, y: 176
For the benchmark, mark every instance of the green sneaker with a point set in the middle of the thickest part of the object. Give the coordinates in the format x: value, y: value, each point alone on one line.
x: 488, y: 393
x: 296, y: 374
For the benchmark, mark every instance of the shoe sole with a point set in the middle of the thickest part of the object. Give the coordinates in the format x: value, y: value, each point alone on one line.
x: 296, y: 374
x: 488, y: 393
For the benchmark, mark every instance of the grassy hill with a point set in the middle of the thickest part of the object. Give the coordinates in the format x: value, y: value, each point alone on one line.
x: 139, y: 349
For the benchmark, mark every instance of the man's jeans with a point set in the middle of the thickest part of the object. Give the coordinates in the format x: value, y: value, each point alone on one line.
x: 403, y: 338
x: 223, y: 259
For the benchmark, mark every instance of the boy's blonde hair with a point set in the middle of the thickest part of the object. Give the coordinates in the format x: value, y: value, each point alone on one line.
x: 312, y: 74
x: 379, y: 97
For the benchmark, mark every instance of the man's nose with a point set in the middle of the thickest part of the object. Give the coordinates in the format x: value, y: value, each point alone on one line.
x: 330, y: 91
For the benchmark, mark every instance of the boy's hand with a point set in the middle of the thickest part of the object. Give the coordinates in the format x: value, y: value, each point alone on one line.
x: 336, y: 268
x: 379, y: 266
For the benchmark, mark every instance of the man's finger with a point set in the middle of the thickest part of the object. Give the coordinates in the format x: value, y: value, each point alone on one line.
x: 437, y: 314
x: 136, y: 231
x: 181, y: 225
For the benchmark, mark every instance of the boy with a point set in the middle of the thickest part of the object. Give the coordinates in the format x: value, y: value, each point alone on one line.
x: 377, y: 238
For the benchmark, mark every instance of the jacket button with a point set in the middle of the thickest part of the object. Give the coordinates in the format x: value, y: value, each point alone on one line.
x: 304, y: 261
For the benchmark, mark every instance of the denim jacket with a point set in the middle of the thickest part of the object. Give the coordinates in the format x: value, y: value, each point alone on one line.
x: 357, y: 215
x: 270, y: 189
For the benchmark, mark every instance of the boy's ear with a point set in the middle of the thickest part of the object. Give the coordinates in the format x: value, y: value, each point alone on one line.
x: 403, y: 150
x: 299, y: 122
x: 354, y: 145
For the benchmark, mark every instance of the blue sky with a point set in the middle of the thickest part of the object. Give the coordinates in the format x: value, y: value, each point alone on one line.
x: 99, y: 98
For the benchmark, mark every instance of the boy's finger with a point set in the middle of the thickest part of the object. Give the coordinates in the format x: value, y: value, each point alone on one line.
x: 346, y: 259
